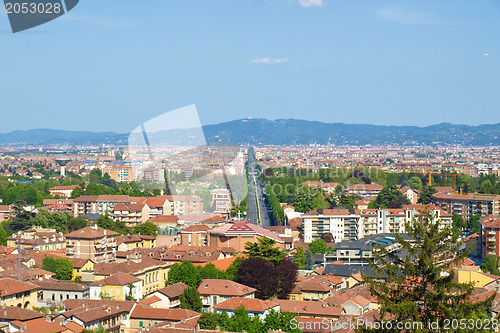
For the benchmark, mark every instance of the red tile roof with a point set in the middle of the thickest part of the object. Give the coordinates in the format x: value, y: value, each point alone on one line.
x: 223, y: 288
x: 16, y: 313
x: 11, y: 287
x: 250, y: 304
x: 174, y: 290
x: 241, y: 228
x: 91, y: 232
x: 147, y: 312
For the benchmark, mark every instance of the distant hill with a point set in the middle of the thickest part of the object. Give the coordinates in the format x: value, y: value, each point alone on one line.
x: 283, y: 132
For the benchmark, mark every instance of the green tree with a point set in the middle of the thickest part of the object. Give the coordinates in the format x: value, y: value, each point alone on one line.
x: 76, y: 193
x: 62, y: 267
x: 490, y: 264
x: 232, y: 270
x: 300, y: 258
x: 76, y: 223
x: 486, y: 187
x: 473, y: 223
x: 390, y: 197
x: 420, y: 286
x: 264, y: 248
x: 191, y: 300
x: 147, y: 228
x: 317, y: 246
x: 130, y: 295
x: 309, y: 260
x: 458, y: 222
x: 3, y: 236
x: 426, y: 194
x: 208, y: 321
x: 185, y: 272
x: 415, y: 183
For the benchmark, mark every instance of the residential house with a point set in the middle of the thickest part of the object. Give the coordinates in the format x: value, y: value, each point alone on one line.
x: 92, y: 242
x: 62, y: 191
x: 143, y: 317
x: 131, y: 242
x: 83, y: 269
x: 18, y: 293
x: 213, y: 292
x: 5, y: 211
x: 315, y: 288
x: 53, y: 293
x: 10, y: 315
x: 40, y: 239
x: 356, y: 306
x: 168, y: 297
x: 254, y: 306
x: 310, y: 309
x: 112, y: 315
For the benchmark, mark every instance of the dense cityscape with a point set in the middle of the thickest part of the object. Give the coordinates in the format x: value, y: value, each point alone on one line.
x: 104, y: 238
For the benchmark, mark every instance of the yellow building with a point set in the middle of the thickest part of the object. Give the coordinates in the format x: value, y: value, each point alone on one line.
x: 82, y: 267
x: 152, y: 273
x: 18, y: 293
x: 119, y: 286
x: 42, y: 239
x: 132, y: 242
x: 480, y: 279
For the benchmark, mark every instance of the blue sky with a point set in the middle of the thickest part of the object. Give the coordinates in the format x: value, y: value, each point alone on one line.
x: 114, y: 64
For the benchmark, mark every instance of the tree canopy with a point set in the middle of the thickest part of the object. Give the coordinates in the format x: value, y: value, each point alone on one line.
x: 420, y: 285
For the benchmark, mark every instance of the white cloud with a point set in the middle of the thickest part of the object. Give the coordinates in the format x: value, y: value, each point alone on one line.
x: 311, y: 3
x: 270, y: 61
x: 400, y: 15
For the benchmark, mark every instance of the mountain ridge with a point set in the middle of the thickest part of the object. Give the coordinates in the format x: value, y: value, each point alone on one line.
x: 261, y: 131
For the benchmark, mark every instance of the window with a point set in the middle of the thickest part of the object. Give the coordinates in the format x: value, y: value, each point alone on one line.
x: 141, y: 324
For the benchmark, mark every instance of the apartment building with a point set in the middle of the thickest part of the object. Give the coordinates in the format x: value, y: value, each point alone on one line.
x: 365, y: 191
x: 353, y: 224
x: 221, y: 201
x: 93, y: 242
x: 185, y: 205
x: 341, y: 223
x: 195, y: 235
x: 18, y: 293
x: 132, y: 214
x: 489, y: 235
x: 119, y: 173
x: 467, y: 205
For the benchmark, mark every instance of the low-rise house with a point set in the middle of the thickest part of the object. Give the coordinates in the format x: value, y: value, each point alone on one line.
x: 53, y: 293
x: 131, y: 242
x: 62, y: 191
x: 143, y: 317
x: 476, y: 276
x: 119, y: 286
x: 315, y: 288
x: 153, y: 273
x: 168, y: 297
x: 356, y: 306
x: 40, y: 239
x: 18, y: 293
x: 83, y: 269
x: 14, y: 314
x: 92, y: 314
x: 214, y: 291
x: 254, y: 306
x: 310, y: 309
